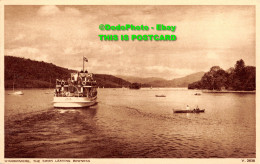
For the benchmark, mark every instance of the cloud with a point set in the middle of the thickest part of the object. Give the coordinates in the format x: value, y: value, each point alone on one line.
x: 19, y: 37
x: 212, y: 55
x: 171, y: 71
x: 54, y: 10
x: 72, y: 11
x: 48, y: 10
x: 27, y: 52
x: 17, y: 51
x: 159, y: 68
x: 70, y: 51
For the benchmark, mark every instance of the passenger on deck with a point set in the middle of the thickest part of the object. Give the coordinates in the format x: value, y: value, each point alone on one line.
x: 75, y: 76
x: 187, y: 107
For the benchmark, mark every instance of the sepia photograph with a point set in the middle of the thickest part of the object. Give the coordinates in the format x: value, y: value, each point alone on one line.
x: 129, y: 81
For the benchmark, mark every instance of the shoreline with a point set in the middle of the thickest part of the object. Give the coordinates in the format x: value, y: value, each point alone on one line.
x: 213, y: 91
x: 203, y: 91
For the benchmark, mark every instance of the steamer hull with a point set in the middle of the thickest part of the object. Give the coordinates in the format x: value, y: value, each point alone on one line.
x: 73, y: 102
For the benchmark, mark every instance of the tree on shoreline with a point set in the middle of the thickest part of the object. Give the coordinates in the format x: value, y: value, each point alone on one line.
x: 239, y: 78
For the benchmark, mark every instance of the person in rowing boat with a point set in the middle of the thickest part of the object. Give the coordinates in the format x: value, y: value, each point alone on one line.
x: 196, y: 109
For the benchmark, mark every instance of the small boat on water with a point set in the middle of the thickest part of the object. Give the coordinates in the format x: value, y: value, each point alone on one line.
x: 16, y: 93
x: 189, y: 111
x: 160, y: 96
x: 197, y: 94
x: 80, y: 90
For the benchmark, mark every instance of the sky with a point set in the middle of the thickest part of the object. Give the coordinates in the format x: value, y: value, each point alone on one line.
x: 206, y: 36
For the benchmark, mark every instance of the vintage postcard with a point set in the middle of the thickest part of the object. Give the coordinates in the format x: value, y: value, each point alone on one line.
x: 138, y: 82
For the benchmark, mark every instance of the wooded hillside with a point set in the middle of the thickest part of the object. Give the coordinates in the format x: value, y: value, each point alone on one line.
x: 239, y: 78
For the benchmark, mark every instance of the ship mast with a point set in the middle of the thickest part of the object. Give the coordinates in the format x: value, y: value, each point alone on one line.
x: 84, y: 60
x: 83, y: 63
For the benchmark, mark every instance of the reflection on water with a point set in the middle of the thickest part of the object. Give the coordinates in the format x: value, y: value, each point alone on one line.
x: 131, y: 123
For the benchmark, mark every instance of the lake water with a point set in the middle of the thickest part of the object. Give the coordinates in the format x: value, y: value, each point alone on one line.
x: 131, y: 124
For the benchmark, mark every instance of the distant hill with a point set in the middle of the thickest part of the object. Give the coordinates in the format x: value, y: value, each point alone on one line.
x: 26, y: 73
x: 185, y: 81
x: 110, y: 81
x: 142, y: 80
x: 160, y: 82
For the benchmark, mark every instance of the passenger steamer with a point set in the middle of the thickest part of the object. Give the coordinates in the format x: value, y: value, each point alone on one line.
x: 80, y: 90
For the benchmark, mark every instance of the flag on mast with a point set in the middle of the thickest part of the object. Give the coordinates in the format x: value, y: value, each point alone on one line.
x: 85, y: 59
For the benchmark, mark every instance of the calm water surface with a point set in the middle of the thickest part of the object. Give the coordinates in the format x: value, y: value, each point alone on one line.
x: 131, y: 123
